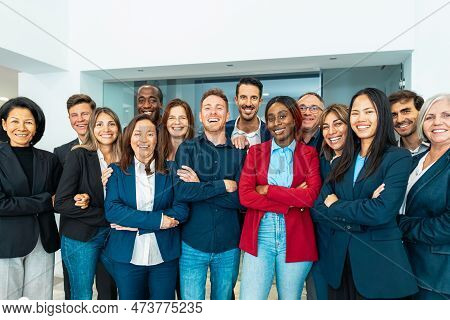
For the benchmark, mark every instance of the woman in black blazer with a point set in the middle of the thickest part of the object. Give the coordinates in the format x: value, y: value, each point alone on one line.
x: 425, y: 214
x: 365, y: 257
x: 28, y: 181
x: 80, y: 198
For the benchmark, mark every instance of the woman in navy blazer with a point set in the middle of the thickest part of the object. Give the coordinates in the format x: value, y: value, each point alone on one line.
x: 365, y: 257
x: 144, y: 244
x: 425, y: 215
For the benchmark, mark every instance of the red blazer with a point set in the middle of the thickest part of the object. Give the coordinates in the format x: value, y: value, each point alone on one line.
x: 293, y: 203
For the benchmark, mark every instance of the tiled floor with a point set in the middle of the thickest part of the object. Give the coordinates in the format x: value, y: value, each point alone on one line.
x: 58, y: 290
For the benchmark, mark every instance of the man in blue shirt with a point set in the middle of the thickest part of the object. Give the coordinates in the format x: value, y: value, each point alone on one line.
x: 209, y: 170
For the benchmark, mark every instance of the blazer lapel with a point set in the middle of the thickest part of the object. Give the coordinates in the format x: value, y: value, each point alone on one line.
x: 40, y: 173
x: 130, y: 185
x: 94, y: 163
x: 13, y: 170
x: 160, y: 187
x: 436, y: 169
x: 265, y: 159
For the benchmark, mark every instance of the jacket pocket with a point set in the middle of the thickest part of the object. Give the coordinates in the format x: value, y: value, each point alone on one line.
x: 441, y: 249
x: 386, y: 234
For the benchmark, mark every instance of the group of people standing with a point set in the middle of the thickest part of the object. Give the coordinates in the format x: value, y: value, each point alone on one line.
x: 315, y: 194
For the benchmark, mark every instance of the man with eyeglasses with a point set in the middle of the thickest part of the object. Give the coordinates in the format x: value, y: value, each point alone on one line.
x: 311, y: 107
x: 149, y: 100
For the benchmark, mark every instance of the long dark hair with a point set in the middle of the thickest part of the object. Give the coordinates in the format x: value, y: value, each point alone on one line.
x: 164, y: 142
x: 384, y: 137
x: 291, y: 105
x: 128, y: 153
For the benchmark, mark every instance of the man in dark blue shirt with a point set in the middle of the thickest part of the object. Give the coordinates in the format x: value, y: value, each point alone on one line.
x: 209, y: 169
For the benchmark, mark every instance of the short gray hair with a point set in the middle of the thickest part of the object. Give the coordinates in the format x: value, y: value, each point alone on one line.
x: 426, y: 108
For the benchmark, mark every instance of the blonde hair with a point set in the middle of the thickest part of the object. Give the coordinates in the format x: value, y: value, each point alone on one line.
x: 424, y: 111
x: 91, y: 143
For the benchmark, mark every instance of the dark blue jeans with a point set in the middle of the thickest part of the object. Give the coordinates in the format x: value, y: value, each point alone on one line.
x: 80, y: 259
x: 145, y: 282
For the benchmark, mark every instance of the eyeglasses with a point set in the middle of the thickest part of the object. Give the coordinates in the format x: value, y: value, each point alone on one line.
x: 313, y: 108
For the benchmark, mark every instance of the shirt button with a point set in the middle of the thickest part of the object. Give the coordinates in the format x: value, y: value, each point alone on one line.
x: 302, y: 209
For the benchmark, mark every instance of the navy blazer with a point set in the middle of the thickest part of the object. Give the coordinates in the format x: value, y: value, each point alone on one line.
x: 120, y: 208
x: 265, y: 133
x: 27, y: 214
x: 366, y: 229
x: 426, y: 225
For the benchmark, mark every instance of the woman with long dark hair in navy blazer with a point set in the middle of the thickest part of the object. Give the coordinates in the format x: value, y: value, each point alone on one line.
x: 28, y: 180
x: 365, y: 257
x: 141, y: 205
x: 425, y: 214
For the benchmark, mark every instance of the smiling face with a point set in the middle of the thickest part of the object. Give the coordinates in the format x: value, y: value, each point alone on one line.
x: 248, y: 101
x: 105, y: 130
x: 364, y: 118
x: 214, y: 114
x: 334, y: 132
x: 148, y: 102
x: 404, y: 116
x: 436, y: 125
x: 310, y: 117
x: 143, y: 140
x: 177, y: 122
x: 281, y: 124
x: 20, y: 126
x: 79, y: 115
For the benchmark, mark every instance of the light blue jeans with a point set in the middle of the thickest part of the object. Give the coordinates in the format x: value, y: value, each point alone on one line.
x: 80, y: 259
x: 258, y: 272
x: 224, y: 269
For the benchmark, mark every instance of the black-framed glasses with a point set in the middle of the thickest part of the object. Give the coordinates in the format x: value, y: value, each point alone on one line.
x: 313, y: 108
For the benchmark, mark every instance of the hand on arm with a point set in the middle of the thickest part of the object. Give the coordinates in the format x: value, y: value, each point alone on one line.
x: 240, y: 141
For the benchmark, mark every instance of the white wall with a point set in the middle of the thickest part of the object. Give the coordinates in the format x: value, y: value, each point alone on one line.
x: 157, y: 33
x: 29, y: 29
x: 431, y: 56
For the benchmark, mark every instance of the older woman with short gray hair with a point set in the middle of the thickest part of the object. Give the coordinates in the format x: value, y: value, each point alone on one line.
x: 425, y: 214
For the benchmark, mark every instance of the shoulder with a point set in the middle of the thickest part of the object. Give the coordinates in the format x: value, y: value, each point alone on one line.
x: 230, y: 124
x: 45, y: 154
x: 306, y: 150
x: 66, y: 146
x: 395, y: 153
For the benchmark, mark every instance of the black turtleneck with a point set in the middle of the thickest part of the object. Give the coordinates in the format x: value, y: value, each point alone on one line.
x: 25, y: 157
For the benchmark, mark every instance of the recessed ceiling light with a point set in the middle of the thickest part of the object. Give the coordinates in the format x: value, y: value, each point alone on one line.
x: 140, y: 70
x: 333, y: 58
x: 266, y: 94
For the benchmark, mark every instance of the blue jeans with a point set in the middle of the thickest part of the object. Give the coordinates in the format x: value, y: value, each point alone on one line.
x: 258, y: 272
x: 224, y: 269
x: 145, y: 282
x: 80, y: 259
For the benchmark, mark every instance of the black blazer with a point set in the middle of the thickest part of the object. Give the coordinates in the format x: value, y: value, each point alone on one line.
x: 82, y: 174
x: 366, y: 229
x: 27, y: 214
x: 426, y: 225
x: 62, y: 151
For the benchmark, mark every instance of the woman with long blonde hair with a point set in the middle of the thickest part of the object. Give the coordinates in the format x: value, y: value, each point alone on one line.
x: 80, y: 197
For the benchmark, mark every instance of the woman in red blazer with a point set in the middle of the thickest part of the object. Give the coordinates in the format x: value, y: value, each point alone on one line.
x: 279, y: 183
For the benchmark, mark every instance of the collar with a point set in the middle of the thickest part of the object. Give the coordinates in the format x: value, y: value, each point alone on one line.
x: 251, y: 134
x: 140, y: 165
x: 275, y: 146
x: 203, y: 137
x: 100, y: 155
x: 422, y: 144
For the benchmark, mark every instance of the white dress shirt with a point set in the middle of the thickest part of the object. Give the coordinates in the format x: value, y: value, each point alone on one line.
x: 146, y: 251
x: 252, y: 137
x: 103, y: 166
x: 413, y: 178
